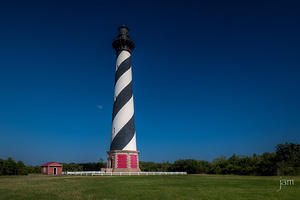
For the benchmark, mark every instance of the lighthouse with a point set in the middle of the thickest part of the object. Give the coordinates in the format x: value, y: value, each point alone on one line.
x: 123, y: 155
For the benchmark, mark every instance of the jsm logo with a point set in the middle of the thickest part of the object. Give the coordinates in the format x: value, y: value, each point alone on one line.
x: 285, y: 182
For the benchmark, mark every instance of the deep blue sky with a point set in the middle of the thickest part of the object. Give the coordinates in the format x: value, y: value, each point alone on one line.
x: 209, y: 79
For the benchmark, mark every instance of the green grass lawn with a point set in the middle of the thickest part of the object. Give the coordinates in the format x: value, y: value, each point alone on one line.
x: 147, y: 187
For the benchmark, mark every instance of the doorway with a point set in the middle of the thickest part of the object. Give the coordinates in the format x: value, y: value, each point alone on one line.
x: 54, y: 171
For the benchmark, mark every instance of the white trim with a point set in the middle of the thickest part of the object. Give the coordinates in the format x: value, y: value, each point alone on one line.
x: 101, y: 173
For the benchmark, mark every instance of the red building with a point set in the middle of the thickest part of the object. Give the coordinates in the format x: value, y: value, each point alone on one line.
x: 52, y: 168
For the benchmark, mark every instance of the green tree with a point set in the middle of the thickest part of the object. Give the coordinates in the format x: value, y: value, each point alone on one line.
x: 9, y: 167
x: 189, y: 165
x: 1, y: 166
x: 267, y: 164
x: 203, y: 167
x: 21, y: 168
x: 149, y: 166
x: 288, y: 159
x: 72, y: 167
x: 102, y: 164
x: 220, y: 166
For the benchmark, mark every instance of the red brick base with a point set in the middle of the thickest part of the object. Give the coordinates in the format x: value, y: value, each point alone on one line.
x: 123, y: 161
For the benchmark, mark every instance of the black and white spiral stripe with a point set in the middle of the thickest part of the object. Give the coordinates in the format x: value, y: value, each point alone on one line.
x: 123, y: 128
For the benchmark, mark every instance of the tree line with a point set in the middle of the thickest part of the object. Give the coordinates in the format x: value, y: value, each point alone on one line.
x: 284, y: 161
x: 90, y: 166
x: 10, y: 167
